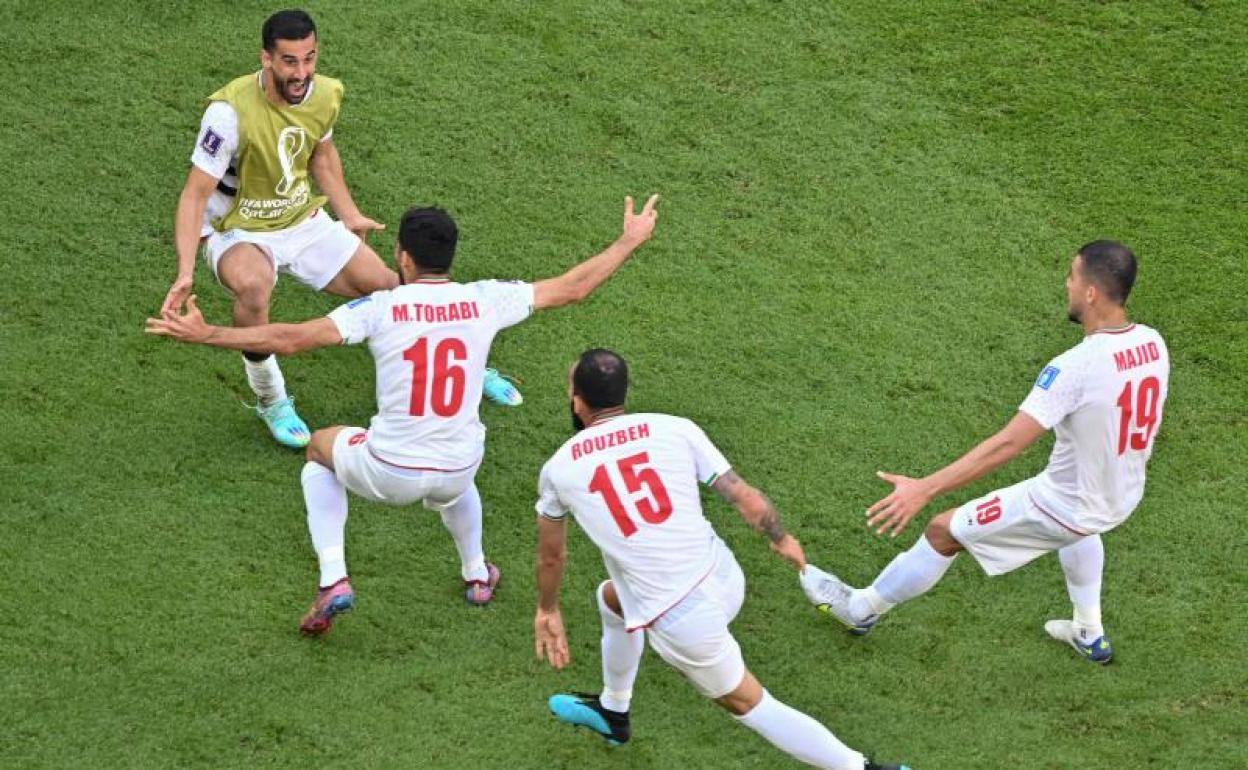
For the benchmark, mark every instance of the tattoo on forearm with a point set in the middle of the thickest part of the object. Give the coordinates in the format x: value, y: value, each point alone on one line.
x: 769, y: 522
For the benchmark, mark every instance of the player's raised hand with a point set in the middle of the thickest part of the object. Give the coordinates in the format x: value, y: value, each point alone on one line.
x: 549, y: 640
x: 178, y: 292
x: 639, y: 227
x: 896, y: 510
x: 362, y: 225
x: 187, y: 327
x: 791, y: 549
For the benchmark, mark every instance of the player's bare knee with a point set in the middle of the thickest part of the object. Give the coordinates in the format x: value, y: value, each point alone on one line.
x: 744, y: 698
x: 940, y: 536
x: 321, y: 446
x: 609, y: 597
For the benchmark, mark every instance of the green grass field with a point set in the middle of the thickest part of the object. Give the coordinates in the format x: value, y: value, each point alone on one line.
x: 868, y: 210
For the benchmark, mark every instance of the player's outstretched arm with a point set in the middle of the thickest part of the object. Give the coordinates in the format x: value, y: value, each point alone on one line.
x: 761, y: 514
x: 186, y: 224
x: 282, y: 339
x: 909, y: 496
x: 549, y: 640
x: 325, y: 166
x: 581, y: 281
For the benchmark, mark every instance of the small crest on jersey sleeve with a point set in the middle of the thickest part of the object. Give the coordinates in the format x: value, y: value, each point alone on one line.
x: 211, y: 142
x: 357, y: 302
x: 1046, y: 378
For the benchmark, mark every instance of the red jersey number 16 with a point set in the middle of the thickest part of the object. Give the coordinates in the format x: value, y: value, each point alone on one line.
x: 654, y: 508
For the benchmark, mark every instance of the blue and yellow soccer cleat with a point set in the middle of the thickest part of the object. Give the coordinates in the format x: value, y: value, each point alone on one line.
x: 831, y: 597
x: 1098, y: 650
x: 582, y: 709
x: 285, y: 425
x: 501, y: 390
x: 330, y: 602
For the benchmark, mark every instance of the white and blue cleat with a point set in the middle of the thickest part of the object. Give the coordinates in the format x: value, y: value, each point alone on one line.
x: 581, y: 709
x: 501, y: 390
x: 286, y: 426
x: 1097, y: 650
x: 831, y: 596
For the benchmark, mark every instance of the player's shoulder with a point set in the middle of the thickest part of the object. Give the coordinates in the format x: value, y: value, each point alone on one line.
x: 232, y: 89
x: 328, y: 85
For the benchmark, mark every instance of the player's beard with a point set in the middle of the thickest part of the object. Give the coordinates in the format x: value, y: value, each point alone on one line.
x: 284, y: 88
x: 578, y: 424
x: 1074, y: 315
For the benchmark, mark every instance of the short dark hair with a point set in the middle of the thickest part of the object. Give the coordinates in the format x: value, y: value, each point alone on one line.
x: 428, y: 235
x: 600, y: 378
x: 1111, y: 266
x: 292, y: 24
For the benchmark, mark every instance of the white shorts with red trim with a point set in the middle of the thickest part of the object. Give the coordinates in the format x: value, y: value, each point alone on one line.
x: 693, y: 636
x: 313, y: 251
x: 1005, y: 529
x: 362, y: 473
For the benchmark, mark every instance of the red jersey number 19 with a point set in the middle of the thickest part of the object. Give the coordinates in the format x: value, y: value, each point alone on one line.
x: 654, y: 508
x: 1142, y: 407
x: 440, y: 385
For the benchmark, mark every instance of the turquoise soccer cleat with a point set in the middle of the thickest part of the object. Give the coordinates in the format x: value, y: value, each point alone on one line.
x: 285, y: 425
x: 501, y: 390
x: 581, y: 709
x: 1099, y: 650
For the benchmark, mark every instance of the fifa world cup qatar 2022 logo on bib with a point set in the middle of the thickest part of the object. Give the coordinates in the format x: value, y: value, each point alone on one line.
x: 291, y: 191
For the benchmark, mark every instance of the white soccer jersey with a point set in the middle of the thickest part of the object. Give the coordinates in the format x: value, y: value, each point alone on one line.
x: 1104, y: 398
x: 631, y: 482
x: 430, y: 340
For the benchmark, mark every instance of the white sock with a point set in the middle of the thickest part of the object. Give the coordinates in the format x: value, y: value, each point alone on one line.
x: 1083, y: 562
x: 910, y: 574
x: 463, y: 521
x: 326, y: 501
x: 266, y: 380
x: 799, y: 736
x: 621, y: 656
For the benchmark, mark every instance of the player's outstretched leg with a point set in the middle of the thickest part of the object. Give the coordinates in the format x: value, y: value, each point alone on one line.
x: 501, y: 390
x: 326, y: 501
x: 791, y: 731
x: 462, y: 519
x: 1083, y: 563
x: 582, y: 709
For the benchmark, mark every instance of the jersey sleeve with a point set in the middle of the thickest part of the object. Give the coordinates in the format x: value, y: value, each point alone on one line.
x: 1056, y: 392
x: 510, y: 301
x: 360, y: 318
x: 710, y: 462
x: 218, y: 140
x: 548, y: 503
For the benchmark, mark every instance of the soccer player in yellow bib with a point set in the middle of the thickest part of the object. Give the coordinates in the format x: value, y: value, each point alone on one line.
x: 249, y: 198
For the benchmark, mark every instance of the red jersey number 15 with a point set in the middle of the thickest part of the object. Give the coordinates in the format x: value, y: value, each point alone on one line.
x: 654, y: 508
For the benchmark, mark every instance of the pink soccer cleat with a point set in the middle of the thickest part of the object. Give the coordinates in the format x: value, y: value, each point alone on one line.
x: 477, y: 592
x: 330, y: 602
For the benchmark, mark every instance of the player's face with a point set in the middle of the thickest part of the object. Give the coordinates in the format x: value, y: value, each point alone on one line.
x: 578, y: 424
x: 404, y: 264
x: 291, y: 65
x: 1076, y: 291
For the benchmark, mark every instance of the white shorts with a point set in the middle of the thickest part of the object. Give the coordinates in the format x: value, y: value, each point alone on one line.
x: 693, y: 636
x: 1004, y: 529
x: 368, y: 477
x: 313, y: 251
